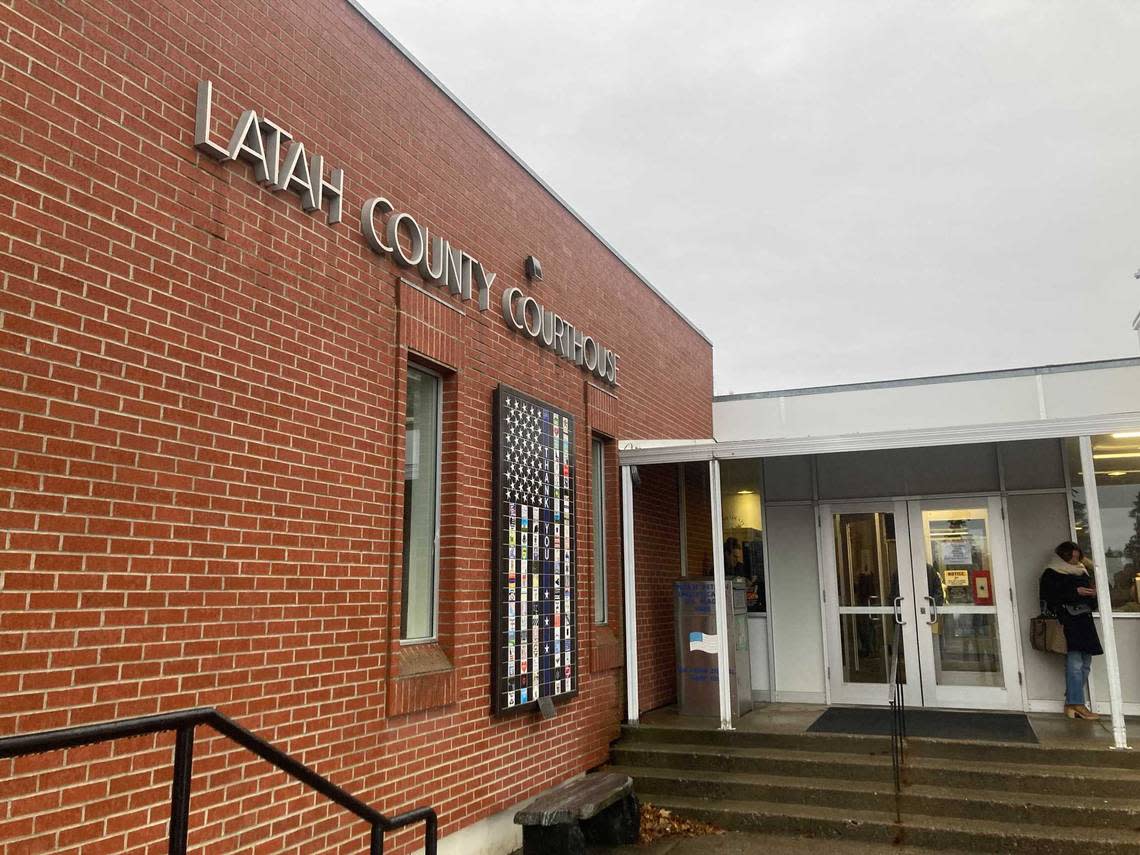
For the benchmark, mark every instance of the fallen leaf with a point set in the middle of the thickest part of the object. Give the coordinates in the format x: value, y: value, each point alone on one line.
x: 658, y: 822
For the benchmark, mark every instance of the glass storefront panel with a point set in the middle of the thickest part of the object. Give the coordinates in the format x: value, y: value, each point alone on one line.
x: 743, y: 524
x: 1116, y: 457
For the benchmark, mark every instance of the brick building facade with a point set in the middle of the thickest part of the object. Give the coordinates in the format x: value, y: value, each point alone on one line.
x: 202, y: 428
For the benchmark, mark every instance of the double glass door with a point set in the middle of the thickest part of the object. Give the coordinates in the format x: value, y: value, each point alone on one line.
x: 931, y: 578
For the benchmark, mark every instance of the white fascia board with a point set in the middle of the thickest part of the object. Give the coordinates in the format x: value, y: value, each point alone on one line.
x: 637, y: 444
x: 784, y: 447
x: 645, y: 451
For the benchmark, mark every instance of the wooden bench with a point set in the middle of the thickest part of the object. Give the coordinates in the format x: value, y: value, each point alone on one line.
x: 597, y: 809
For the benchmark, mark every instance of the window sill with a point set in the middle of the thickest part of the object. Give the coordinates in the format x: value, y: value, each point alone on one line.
x: 423, y: 678
x: 608, y: 651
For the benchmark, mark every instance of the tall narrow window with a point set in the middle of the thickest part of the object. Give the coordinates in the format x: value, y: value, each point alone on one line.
x: 598, y: 488
x: 1116, y: 457
x: 421, y: 505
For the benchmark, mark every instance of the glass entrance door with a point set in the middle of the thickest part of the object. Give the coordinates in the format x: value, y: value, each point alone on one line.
x: 869, y: 602
x: 965, y: 617
x: 934, y: 570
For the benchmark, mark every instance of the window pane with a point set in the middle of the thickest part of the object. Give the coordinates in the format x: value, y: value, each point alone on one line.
x: 598, y: 485
x: 421, y: 505
x: 866, y: 559
x: 1116, y: 457
x: 743, y: 527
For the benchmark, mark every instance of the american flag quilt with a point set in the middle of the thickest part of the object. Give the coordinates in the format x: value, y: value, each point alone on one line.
x: 535, y: 623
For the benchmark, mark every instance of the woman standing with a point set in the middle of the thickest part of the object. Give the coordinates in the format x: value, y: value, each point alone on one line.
x: 1069, y: 593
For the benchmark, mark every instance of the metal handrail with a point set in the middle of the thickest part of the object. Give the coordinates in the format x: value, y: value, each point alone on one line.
x: 896, y: 697
x: 183, y: 723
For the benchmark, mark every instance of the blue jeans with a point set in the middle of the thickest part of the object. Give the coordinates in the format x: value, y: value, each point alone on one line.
x: 1077, y: 667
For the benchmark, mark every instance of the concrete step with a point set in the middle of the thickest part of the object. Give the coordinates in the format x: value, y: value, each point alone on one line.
x: 930, y: 801
x: 759, y: 843
x: 1095, y: 754
x: 947, y: 773
x: 933, y: 833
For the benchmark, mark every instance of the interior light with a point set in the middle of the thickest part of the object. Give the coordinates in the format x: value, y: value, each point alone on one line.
x: 1128, y: 434
x: 1116, y: 455
x: 745, y: 492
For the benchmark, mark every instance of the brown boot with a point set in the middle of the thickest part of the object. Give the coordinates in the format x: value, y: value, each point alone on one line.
x: 1080, y: 711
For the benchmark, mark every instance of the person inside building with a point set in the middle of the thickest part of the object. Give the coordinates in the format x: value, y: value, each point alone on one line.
x: 734, y: 559
x: 735, y: 567
x: 1068, y: 592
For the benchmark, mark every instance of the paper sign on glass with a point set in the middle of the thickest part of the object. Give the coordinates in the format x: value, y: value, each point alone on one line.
x: 958, y: 552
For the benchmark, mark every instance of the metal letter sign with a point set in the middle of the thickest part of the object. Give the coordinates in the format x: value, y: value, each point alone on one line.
x: 413, y: 246
x: 534, y: 589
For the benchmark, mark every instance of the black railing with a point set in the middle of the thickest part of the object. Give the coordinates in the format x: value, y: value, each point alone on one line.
x: 897, y: 699
x: 183, y: 724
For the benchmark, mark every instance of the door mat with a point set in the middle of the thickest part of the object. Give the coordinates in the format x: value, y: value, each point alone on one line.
x: 937, y: 724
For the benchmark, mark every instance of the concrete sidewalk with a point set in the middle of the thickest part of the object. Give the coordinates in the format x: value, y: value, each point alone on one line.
x: 738, y: 843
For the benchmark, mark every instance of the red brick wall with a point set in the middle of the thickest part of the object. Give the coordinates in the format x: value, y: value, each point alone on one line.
x: 201, y: 429
x: 656, y: 517
x: 698, y: 520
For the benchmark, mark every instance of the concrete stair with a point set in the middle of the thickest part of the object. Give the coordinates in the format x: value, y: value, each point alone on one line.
x: 971, y: 796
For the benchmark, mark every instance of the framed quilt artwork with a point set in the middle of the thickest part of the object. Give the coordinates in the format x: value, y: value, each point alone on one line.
x: 534, y: 584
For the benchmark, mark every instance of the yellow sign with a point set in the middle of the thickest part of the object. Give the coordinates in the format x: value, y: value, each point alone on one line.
x: 956, y: 578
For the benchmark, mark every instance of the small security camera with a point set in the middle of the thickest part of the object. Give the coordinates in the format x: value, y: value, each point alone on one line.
x: 533, y: 269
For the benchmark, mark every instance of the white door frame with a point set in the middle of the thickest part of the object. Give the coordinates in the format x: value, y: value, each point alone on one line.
x: 1008, y: 696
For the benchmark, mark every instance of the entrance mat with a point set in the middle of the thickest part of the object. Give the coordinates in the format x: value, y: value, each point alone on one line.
x: 937, y: 724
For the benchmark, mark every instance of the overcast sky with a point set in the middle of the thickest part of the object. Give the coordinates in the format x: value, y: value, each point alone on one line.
x: 832, y: 191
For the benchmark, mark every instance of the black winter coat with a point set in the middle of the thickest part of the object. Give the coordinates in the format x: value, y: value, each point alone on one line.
x: 1059, y: 590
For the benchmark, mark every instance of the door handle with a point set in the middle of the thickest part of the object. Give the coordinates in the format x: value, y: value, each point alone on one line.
x: 933, y: 611
x: 898, y: 612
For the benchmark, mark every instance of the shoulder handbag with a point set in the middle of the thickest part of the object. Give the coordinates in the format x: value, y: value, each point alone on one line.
x: 1047, y: 635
